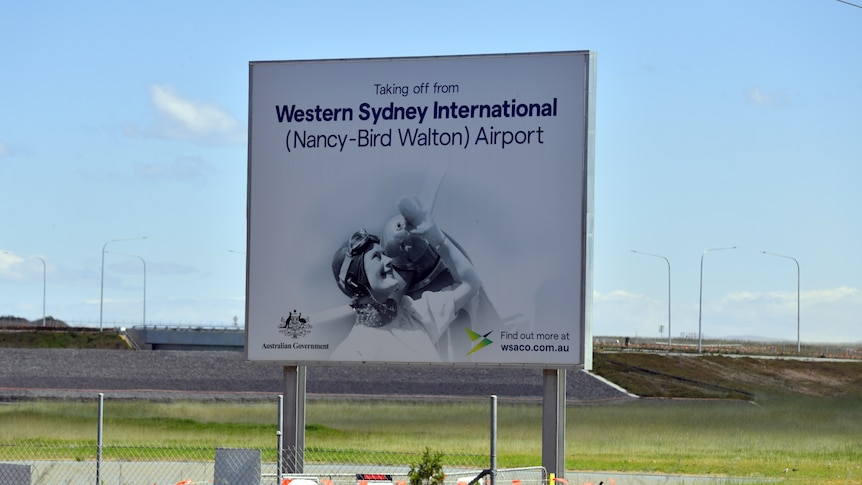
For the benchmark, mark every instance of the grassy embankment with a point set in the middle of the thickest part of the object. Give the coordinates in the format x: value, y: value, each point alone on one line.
x: 61, y: 338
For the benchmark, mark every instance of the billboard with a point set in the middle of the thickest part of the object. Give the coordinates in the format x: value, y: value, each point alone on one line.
x: 424, y: 210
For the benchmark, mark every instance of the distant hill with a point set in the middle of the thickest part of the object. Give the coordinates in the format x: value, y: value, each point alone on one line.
x: 10, y: 321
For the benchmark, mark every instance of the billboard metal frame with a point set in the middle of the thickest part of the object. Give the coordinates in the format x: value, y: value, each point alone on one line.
x: 262, y: 145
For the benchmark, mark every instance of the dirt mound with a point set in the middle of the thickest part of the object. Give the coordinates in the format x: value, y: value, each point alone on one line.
x: 729, y: 377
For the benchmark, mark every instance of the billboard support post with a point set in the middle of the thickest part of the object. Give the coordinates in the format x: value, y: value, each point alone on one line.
x: 293, y: 448
x: 554, y: 421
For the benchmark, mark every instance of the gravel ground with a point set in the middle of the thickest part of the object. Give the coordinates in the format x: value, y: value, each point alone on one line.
x: 226, y: 375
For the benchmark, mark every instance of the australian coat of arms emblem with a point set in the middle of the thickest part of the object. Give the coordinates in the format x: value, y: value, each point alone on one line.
x: 295, y: 325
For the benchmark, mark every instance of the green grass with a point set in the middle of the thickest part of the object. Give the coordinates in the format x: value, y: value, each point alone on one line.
x: 141, y: 422
x: 820, y: 438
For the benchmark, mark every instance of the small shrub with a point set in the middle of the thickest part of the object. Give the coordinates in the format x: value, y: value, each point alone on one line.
x: 429, y: 470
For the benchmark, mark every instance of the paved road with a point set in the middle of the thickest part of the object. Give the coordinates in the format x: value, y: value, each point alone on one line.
x: 30, y: 373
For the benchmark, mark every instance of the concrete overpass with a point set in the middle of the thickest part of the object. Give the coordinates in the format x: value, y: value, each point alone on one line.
x: 186, y: 338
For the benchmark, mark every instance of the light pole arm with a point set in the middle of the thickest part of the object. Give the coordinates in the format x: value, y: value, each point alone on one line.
x: 669, y: 335
x: 798, y: 298
x: 700, y: 301
x: 44, y: 286
x: 102, y: 283
x: 144, y: 262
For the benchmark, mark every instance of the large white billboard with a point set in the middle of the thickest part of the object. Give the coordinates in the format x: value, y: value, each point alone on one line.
x: 427, y: 210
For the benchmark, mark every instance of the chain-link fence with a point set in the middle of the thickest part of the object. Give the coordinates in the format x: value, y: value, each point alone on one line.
x: 68, y: 462
x: 73, y: 463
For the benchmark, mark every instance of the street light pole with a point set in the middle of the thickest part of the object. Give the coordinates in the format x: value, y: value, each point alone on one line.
x: 144, y: 320
x: 44, y: 281
x: 798, y: 340
x: 44, y: 286
x: 668, y: 293
x: 700, y: 303
x: 102, y: 285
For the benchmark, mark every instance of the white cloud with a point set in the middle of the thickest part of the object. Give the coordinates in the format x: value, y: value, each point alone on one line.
x: 835, y: 294
x: 787, y: 300
x: 184, y: 169
x: 4, y: 150
x: 825, y: 315
x: 9, y: 264
x: 623, y: 313
x: 757, y: 96
x: 762, y: 98
x: 184, y: 119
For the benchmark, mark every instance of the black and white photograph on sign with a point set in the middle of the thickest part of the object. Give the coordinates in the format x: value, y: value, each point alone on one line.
x: 392, y: 224
x: 411, y: 289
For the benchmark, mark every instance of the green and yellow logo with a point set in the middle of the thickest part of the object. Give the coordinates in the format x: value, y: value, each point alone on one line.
x: 483, y: 340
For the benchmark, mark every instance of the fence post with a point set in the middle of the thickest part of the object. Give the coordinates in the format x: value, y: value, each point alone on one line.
x: 99, y: 438
x: 493, y: 464
x: 280, y: 436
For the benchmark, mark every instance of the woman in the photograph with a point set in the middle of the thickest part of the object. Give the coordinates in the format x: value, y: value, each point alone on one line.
x: 390, y: 324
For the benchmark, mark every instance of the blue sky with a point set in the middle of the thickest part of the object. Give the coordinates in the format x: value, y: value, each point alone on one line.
x: 718, y: 124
